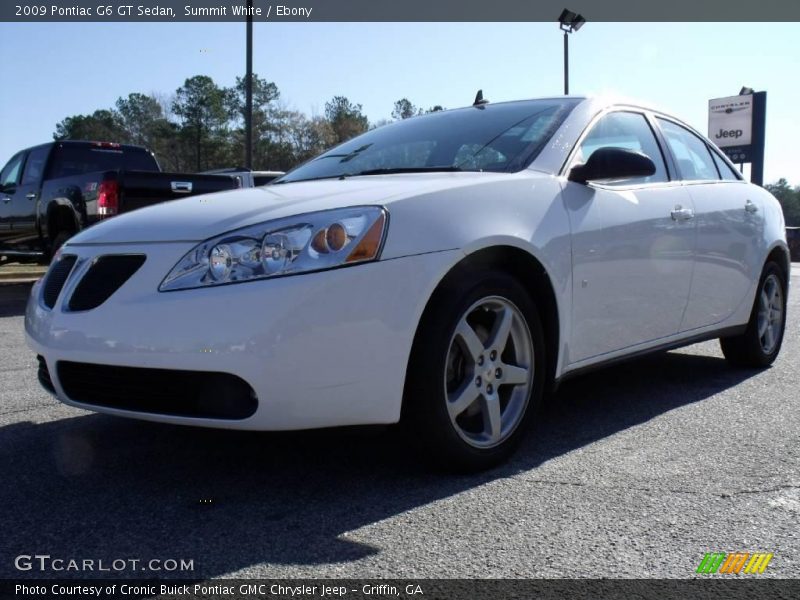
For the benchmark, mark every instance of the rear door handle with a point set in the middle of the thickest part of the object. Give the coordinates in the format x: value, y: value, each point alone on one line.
x: 681, y: 214
x: 31, y: 195
x: 750, y: 207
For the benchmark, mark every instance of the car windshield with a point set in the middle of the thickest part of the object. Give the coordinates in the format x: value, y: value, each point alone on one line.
x: 491, y: 137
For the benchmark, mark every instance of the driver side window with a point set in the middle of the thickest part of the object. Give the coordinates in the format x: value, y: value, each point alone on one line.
x: 629, y: 131
x: 10, y: 173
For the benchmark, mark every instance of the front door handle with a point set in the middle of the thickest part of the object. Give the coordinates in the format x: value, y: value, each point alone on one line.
x: 6, y: 199
x: 181, y: 187
x: 681, y: 214
x: 750, y: 207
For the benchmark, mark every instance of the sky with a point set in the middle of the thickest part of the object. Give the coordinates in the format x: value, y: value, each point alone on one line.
x: 54, y: 70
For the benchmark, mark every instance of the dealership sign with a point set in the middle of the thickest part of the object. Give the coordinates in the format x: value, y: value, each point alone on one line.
x: 736, y: 125
x: 730, y: 121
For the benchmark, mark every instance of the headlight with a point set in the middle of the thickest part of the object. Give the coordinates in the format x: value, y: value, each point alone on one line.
x: 312, y: 242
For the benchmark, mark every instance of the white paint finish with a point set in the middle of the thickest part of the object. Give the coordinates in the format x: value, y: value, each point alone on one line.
x: 729, y: 253
x: 322, y: 350
x: 331, y: 348
x: 632, y: 265
x: 201, y: 217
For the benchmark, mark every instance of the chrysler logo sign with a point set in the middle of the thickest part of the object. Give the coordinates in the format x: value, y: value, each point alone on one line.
x: 730, y: 121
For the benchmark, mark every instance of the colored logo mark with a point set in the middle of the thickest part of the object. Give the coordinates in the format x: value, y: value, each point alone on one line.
x: 735, y: 562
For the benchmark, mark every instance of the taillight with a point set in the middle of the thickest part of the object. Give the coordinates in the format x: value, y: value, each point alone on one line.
x: 108, y: 199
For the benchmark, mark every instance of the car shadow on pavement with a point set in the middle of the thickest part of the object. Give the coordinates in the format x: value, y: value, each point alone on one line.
x: 101, y: 487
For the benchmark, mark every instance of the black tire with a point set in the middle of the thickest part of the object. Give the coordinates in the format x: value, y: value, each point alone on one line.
x: 58, y: 241
x: 750, y: 348
x: 426, y: 413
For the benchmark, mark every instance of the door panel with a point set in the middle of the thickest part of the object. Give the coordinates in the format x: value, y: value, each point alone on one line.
x: 22, y: 234
x: 9, y: 185
x: 632, y: 265
x: 632, y: 245
x: 729, y: 228
x: 728, y: 233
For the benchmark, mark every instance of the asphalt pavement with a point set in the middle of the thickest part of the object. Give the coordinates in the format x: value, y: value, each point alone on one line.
x: 635, y: 471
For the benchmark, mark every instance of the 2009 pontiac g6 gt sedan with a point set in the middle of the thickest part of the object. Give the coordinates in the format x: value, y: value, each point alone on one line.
x: 445, y: 271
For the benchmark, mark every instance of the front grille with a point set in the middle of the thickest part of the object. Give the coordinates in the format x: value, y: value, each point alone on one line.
x: 56, y: 278
x: 44, y: 375
x: 158, y: 391
x: 104, y: 277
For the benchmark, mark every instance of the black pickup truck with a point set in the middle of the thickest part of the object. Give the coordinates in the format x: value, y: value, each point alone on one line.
x: 50, y: 192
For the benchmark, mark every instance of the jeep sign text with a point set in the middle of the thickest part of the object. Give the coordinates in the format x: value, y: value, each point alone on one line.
x: 731, y: 133
x: 730, y: 121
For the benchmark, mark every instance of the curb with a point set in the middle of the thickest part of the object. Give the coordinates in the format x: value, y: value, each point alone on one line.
x: 18, y: 281
x: 24, y: 275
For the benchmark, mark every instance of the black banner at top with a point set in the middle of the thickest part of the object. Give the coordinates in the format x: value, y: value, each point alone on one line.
x: 396, y: 10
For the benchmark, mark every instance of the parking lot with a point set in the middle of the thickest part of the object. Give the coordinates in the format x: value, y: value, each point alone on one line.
x: 636, y: 471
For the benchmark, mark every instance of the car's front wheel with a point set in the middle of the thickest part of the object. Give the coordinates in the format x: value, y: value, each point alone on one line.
x: 760, y: 343
x: 476, y: 374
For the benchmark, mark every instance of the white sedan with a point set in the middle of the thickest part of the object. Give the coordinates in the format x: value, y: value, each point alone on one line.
x: 445, y: 271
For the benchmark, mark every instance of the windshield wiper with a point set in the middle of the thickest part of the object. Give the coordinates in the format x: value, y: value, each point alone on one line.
x: 384, y: 171
x: 308, y: 179
x: 393, y: 170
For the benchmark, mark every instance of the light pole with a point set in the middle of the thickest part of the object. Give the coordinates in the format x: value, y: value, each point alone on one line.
x: 248, y: 91
x: 569, y: 22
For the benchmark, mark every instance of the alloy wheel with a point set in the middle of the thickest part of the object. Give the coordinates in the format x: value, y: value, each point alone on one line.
x: 489, y: 372
x: 770, y: 313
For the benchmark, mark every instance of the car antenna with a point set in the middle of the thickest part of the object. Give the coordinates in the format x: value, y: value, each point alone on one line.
x: 479, y: 99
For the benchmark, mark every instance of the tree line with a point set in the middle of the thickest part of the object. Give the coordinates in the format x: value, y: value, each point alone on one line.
x: 202, y: 125
x: 789, y: 197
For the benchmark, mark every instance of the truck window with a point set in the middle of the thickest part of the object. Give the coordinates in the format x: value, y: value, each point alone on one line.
x: 10, y: 173
x: 77, y: 159
x: 34, y: 166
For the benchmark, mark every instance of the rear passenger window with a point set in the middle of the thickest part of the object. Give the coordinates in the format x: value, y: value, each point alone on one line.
x: 630, y: 131
x: 691, y: 153
x: 34, y: 166
x: 725, y: 171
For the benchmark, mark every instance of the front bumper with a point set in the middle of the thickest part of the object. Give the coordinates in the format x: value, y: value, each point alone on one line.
x: 319, y: 350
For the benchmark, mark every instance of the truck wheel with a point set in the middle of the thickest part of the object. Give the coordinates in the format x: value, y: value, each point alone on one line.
x: 58, y: 241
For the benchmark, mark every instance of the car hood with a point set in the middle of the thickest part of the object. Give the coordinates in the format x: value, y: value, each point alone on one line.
x: 201, y: 217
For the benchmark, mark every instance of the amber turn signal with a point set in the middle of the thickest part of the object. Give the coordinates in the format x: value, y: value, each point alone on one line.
x: 369, y: 245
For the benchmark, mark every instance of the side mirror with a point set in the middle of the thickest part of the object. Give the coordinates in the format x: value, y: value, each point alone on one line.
x: 613, y: 163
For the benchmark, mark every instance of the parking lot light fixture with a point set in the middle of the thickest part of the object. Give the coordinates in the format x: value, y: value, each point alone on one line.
x: 569, y: 22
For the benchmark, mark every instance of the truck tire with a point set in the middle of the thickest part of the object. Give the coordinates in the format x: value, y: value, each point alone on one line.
x: 58, y: 241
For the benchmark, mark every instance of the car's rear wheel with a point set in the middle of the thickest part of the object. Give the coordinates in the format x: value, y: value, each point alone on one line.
x: 761, y: 342
x: 476, y: 374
